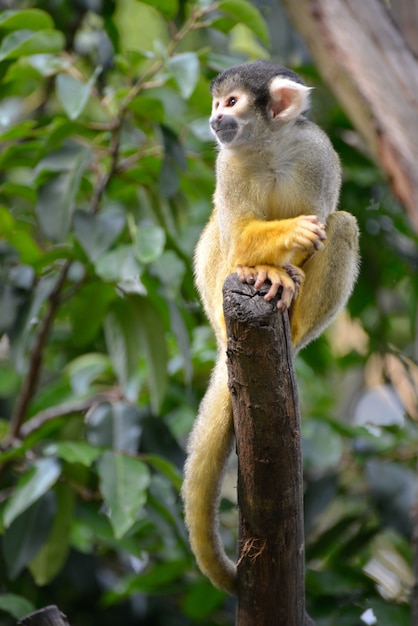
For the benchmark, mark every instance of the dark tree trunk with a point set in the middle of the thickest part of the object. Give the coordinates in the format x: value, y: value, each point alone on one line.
x: 271, y: 589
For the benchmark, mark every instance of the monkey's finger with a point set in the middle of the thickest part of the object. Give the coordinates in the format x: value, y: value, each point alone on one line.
x: 287, y: 296
x: 305, y: 243
x: 314, y: 219
x: 318, y: 245
x: 246, y: 274
x: 310, y: 223
x: 321, y: 232
x: 318, y: 231
x: 262, y: 276
x: 272, y: 292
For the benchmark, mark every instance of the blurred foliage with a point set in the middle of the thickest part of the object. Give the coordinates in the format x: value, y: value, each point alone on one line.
x: 106, y: 181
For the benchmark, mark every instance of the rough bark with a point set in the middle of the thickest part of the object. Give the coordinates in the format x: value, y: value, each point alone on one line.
x: 372, y: 69
x: 48, y: 616
x: 271, y: 589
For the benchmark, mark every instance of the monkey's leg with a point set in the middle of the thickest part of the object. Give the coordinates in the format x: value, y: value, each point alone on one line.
x: 330, y: 275
x: 209, y: 448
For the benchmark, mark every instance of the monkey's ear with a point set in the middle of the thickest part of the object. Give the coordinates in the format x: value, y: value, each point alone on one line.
x: 288, y: 99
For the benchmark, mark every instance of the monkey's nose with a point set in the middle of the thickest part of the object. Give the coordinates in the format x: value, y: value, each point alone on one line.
x: 215, y: 122
x: 215, y: 118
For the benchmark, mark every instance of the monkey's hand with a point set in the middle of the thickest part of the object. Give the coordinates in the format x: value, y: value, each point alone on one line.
x: 307, y: 234
x: 289, y: 278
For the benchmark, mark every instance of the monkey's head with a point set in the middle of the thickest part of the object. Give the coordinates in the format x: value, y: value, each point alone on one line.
x: 253, y: 99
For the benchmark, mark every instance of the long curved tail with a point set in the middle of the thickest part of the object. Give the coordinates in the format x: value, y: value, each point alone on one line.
x: 209, y: 447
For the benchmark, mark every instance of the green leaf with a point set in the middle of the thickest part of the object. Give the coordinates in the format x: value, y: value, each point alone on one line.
x: 33, y: 19
x: 86, y: 323
x: 21, y: 339
x: 174, y: 159
x: 149, y: 243
x: 61, y: 160
x: 86, y: 368
x: 117, y: 426
x: 148, y: 108
x: 322, y: 446
x: 168, y: 8
x: 224, y: 24
x: 173, y: 149
x: 123, y: 482
x: 152, y: 333
x: 48, y: 64
x: 201, y: 600
x: 56, y: 198
x: 167, y: 469
x: 26, y: 42
x: 159, y: 577
x: 132, y: 327
x: 96, y: 233
x: 119, y: 264
x: 170, y: 269
x: 247, y: 14
x: 185, y: 69
x: 9, y: 379
x: 74, y: 94
x: 16, y: 605
x: 388, y: 615
x: 27, y: 534
x: 50, y: 559
x: 73, y: 452
x: 35, y: 483
x: 20, y: 131
x: 124, y: 345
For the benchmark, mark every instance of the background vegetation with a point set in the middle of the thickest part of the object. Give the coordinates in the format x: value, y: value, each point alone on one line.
x: 105, y: 183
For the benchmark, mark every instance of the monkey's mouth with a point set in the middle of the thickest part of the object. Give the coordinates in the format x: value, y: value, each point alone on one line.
x: 225, y: 129
x: 226, y: 133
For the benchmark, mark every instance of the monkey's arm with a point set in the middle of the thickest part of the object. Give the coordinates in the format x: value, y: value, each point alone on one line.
x: 271, y: 251
x: 276, y: 242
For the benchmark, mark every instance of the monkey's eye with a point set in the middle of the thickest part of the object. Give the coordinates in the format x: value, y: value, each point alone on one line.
x: 231, y: 101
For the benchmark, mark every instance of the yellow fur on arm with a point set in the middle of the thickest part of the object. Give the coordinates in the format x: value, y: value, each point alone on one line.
x: 259, y: 242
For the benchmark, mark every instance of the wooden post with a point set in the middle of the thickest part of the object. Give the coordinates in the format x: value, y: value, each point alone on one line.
x: 48, y: 616
x: 271, y: 571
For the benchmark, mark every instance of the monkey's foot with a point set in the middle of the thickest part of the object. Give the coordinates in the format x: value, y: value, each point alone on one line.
x: 288, y: 278
x: 296, y: 274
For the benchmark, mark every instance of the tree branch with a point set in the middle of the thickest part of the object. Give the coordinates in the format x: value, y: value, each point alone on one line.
x: 373, y: 72
x: 35, y: 359
x: 68, y: 408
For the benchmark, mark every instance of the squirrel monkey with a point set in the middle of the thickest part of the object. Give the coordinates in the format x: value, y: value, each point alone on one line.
x: 277, y: 186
